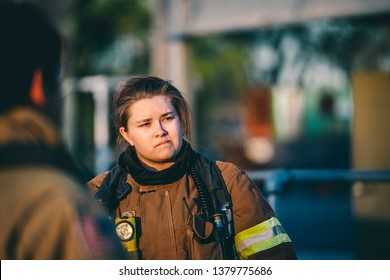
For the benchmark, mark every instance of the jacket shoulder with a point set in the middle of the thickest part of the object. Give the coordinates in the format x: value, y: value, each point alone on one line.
x: 94, y: 184
x: 229, y: 170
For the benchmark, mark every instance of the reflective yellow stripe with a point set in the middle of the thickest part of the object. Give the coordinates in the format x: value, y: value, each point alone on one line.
x: 259, y: 228
x: 264, y: 245
x: 260, y: 237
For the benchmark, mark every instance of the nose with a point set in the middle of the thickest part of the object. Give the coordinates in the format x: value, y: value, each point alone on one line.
x: 160, y: 130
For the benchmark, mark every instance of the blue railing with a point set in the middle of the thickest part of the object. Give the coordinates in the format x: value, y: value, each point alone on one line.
x: 316, y: 207
x: 275, y: 181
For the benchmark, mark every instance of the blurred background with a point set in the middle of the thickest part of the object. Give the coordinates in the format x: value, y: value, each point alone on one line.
x: 283, y: 84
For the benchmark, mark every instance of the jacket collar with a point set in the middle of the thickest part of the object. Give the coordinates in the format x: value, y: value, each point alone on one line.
x: 28, y: 138
x: 25, y: 126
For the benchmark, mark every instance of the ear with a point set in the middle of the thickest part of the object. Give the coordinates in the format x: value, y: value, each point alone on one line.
x: 124, y: 134
x: 37, y: 95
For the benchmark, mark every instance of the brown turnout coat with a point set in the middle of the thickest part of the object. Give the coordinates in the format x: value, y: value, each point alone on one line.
x: 165, y: 220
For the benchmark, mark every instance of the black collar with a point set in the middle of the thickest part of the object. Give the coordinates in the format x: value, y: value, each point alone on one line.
x: 16, y: 155
x: 129, y: 161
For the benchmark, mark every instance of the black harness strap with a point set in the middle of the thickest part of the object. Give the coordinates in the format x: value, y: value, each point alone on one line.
x: 112, y: 190
x: 222, y: 216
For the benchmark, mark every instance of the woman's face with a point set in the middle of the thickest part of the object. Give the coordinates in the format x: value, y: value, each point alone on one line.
x: 155, y: 131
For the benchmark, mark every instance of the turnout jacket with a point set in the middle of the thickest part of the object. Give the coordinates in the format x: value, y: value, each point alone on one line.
x: 45, y: 212
x: 166, y: 228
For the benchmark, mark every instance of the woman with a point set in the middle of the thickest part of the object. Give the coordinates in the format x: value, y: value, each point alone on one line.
x: 170, y: 202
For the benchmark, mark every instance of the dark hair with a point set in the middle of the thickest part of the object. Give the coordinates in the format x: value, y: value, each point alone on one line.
x: 141, y: 87
x: 28, y: 42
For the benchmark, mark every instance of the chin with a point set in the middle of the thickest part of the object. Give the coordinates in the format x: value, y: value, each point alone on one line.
x: 167, y: 160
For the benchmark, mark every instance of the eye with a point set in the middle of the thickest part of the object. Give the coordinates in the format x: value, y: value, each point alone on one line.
x: 169, y: 118
x: 144, y: 124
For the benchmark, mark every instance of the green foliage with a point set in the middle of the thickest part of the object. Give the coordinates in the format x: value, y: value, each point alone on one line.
x: 98, y: 24
x: 220, y: 64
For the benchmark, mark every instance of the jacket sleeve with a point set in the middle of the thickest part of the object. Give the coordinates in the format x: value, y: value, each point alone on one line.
x: 258, y: 232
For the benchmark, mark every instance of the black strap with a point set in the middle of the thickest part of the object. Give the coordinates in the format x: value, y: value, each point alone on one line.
x: 218, y: 196
x: 213, y: 180
x: 113, y: 189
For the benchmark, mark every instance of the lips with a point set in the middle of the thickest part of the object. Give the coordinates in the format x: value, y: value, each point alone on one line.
x: 163, y: 143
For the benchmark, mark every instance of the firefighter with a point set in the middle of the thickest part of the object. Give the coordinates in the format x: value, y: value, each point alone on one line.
x: 46, y: 211
x: 169, y: 201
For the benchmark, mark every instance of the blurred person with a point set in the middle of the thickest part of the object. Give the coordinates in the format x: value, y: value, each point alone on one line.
x: 171, y: 202
x: 46, y: 212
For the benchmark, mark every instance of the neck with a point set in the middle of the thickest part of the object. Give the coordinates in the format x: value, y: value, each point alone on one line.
x: 165, y: 173
x: 157, y: 167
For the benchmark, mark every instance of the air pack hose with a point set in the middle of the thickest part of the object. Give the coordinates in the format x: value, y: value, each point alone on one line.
x: 203, y: 193
x: 215, y: 201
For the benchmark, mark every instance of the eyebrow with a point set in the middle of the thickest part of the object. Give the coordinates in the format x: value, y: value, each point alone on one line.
x: 149, y: 119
